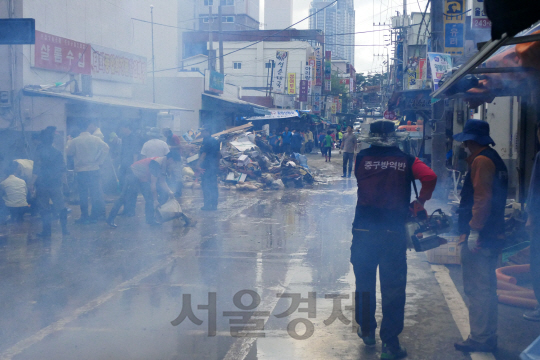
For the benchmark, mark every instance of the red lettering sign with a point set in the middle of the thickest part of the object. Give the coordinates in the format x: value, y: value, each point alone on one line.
x: 61, y: 54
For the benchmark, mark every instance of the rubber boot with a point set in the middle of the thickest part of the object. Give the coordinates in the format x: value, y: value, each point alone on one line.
x: 63, y: 221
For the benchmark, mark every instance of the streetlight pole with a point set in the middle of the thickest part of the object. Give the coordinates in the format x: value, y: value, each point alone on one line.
x: 153, y: 57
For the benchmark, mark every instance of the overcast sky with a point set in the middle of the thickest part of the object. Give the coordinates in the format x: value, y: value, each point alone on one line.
x: 367, y: 12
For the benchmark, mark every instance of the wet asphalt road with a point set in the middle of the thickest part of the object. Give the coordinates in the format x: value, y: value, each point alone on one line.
x: 112, y: 294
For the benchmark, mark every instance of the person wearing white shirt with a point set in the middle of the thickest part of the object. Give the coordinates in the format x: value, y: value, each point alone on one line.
x: 155, y: 147
x: 14, y: 193
x: 88, y: 152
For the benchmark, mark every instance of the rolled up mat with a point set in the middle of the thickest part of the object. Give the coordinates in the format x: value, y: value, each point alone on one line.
x: 519, y: 294
x: 517, y: 301
x: 504, y: 273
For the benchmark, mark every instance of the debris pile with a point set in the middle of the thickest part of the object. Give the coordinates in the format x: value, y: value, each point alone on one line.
x: 248, y: 164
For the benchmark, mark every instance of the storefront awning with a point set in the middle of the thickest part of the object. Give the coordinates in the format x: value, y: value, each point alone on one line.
x: 229, y: 103
x: 276, y: 114
x: 505, y: 66
x: 105, y: 101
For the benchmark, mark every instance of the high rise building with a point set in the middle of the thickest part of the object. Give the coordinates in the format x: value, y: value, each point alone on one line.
x: 335, y: 21
x: 278, y: 14
x: 235, y: 14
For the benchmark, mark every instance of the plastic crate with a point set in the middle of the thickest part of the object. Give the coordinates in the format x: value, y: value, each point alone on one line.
x: 449, y: 253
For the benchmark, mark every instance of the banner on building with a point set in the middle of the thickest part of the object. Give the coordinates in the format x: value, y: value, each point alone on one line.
x: 440, y: 64
x: 303, y: 91
x: 454, y: 26
x: 318, y: 66
x: 119, y: 66
x: 328, y: 65
x: 61, y: 54
x: 479, y: 17
x: 308, y: 75
x: 317, y: 94
x: 291, y: 83
x: 280, y: 72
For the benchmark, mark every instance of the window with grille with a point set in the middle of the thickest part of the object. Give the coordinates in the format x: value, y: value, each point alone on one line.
x: 227, y: 2
x: 208, y: 2
x: 237, y: 65
x: 227, y: 19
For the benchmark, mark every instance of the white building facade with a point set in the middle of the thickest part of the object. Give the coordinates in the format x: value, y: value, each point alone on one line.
x: 251, y: 68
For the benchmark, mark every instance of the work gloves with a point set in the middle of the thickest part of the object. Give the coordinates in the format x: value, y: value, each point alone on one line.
x: 473, y: 242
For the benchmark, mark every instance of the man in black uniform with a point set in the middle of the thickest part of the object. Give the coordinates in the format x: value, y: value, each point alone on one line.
x: 49, y: 170
x: 209, y: 166
x: 384, y: 174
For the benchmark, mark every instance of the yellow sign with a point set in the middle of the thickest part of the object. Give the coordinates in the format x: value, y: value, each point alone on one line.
x: 454, y: 26
x: 291, y: 83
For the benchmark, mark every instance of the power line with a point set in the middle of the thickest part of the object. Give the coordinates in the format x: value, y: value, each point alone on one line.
x: 245, y: 47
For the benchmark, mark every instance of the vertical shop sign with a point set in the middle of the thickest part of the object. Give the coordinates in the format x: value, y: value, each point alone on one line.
x: 454, y: 26
x: 291, y: 83
x: 280, y: 72
x: 328, y: 65
x: 318, y: 66
x: 317, y: 92
x: 303, y: 91
x: 308, y: 71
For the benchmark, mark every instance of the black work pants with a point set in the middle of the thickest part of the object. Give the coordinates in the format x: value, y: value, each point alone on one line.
x: 131, y: 201
x: 89, y: 184
x: 347, y: 158
x: 131, y: 187
x: 387, y: 251
x: 45, y: 195
x: 209, y: 186
x: 17, y: 213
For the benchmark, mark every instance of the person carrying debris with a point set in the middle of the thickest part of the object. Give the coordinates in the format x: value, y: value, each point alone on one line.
x: 150, y: 177
x: 384, y: 174
x: 481, y: 225
x: 533, y: 211
x: 209, y: 167
x: 14, y: 192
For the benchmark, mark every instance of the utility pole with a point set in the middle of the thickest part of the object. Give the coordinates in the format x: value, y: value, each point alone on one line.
x: 153, y: 57
x: 210, y: 40
x: 405, y: 45
x: 438, y: 122
x: 220, y: 37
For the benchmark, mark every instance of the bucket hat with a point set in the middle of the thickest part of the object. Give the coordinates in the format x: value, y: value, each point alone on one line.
x: 477, y: 131
x: 383, y: 133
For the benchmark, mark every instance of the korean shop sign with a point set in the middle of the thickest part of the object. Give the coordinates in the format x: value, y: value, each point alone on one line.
x: 479, y: 17
x: 60, y: 54
x: 454, y: 26
x: 280, y: 72
x: 291, y: 83
x: 119, y: 66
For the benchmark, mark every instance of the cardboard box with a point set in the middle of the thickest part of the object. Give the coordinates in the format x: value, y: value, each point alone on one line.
x: 449, y: 253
